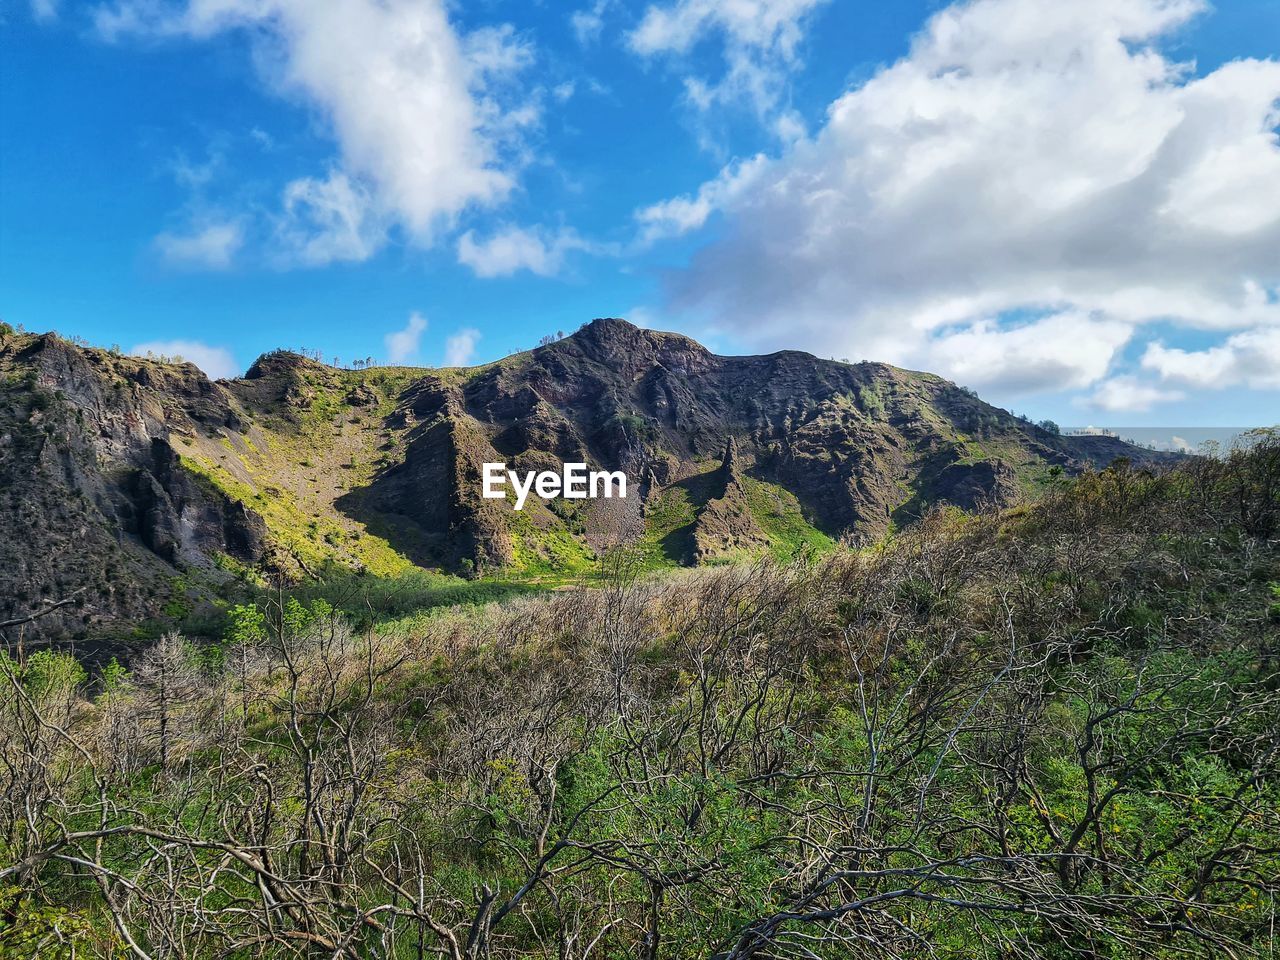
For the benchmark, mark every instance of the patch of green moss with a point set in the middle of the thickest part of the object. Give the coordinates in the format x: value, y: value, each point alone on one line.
x: 668, y: 523
x: 779, y: 515
x: 552, y: 551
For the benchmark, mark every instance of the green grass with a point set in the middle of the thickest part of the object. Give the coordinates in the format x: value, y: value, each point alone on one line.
x: 548, y: 553
x: 315, y: 541
x: 670, y: 518
x: 667, y: 523
x: 369, y: 600
x: 779, y: 515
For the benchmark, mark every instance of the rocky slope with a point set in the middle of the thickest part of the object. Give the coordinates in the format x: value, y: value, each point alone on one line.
x: 139, y: 487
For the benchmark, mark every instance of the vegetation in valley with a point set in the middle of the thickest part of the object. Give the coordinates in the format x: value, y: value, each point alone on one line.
x: 1048, y: 732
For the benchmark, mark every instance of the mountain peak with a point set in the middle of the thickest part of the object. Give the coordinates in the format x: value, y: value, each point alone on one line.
x: 276, y: 362
x: 613, y: 331
x: 611, y: 323
x: 614, y: 334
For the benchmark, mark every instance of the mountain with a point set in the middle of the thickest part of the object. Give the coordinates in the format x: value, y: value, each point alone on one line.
x: 138, y: 486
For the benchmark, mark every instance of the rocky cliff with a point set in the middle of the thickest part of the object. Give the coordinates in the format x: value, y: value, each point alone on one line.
x: 139, y: 487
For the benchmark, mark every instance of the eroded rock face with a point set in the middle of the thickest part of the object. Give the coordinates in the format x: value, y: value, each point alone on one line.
x: 975, y: 485
x: 184, y: 522
x: 726, y: 525
x: 433, y: 493
x: 94, y: 503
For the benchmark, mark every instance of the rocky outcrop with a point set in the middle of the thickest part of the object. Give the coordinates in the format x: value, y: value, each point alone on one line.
x: 428, y: 502
x: 971, y: 486
x: 184, y: 522
x: 725, y: 525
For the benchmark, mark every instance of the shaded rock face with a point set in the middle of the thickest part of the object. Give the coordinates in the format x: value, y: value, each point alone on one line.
x: 429, y: 502
x: 94, y: 503
x: 121, y: 476
x: 183, y: 522
x: 971, y: 486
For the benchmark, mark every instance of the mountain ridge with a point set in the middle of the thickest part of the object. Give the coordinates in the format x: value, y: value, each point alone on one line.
x: 142, y: 486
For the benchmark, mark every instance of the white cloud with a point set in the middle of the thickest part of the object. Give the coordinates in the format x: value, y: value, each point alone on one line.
x: 497, y: 52
x: 679, y: 215
x: 195, y: 176
x: 423, y: 117
x: 512, y: 249
x: 762, y: 24
x: 45, y: 9
x: 216, y: 362
x: 588, y: 23
x: 403, y: 344
x: 328, y: 221
x: 1249, y: 359
x: 209, y: 246
x: 1129, y: 395
x: 1060, y: 351
x: 1027, y: 157
x: 760, y: 40
x: 459, y: 348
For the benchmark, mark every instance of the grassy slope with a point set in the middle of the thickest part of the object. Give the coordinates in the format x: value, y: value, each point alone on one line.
x: 293, y: 464
x: 296, y: 462
x: 291, y: 474
x: 778, y: 513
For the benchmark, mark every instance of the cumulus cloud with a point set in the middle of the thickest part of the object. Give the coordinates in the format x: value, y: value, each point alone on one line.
x: 211, y: 246
x: 1068, y: 350
x: 216, y: 362
x: 1027, y: 157
x: 423, y: 116
x: 403, y: 344
x: 1251, y: 359
x: 1129, y: 395
x: 512, y: 249
x: 461, y: 347
x: 760, y: 40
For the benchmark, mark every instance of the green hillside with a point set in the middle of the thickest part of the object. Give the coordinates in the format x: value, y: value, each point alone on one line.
x: 155, y: 498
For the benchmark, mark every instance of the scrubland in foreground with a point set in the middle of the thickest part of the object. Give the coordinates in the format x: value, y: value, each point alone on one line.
x: 1052, y: 732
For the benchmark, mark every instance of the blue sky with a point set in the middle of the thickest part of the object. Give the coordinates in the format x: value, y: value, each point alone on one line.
x: 1073, y: 208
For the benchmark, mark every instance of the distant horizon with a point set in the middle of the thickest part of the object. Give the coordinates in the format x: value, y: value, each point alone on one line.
x: 1179, y: 439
